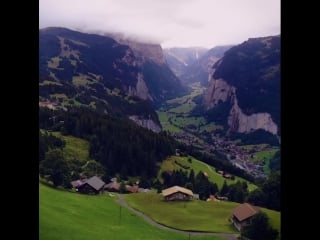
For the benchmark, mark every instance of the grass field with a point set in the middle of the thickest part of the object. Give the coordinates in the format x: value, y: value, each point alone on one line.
x: 166, y: 125
x: 75, y: 147
x: 64, y: 216
x: 193, y: 215
x: 264, y: 156
x: 197, y: 166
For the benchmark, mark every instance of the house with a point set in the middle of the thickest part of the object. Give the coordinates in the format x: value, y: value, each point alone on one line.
x: 132, y: 189
x: 112, y: 187
x: 177, y: 193
x: 242, y: 215
x: 75, y: 184
x: 93, y: 185
x: 212, y: 198
x: 222, y: 198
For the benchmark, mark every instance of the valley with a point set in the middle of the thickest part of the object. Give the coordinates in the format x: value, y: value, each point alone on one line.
x: 177, y: 117
x: 181, y: 137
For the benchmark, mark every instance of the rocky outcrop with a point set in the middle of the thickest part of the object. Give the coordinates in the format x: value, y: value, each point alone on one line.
x: 220, y: 91
x: 140, y: 90
x: 157, y: 76
x: 144, y: 51
x: 240, y: 122
x: 146, y: 123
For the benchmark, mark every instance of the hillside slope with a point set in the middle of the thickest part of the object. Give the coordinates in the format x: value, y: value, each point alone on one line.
x: 244, y: 89
x: 64, y: 215
x: 117, y: 78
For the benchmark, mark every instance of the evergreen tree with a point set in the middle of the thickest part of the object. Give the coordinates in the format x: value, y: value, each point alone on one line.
x: 55, y: 166
x: 225, y: 189
x: 259, y: 228
x: 123, y: 187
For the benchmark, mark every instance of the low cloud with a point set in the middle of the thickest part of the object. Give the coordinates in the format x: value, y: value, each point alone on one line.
x: 169, y: 22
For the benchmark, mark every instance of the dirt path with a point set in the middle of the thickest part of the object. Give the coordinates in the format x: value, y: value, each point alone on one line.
x: 123, y: 203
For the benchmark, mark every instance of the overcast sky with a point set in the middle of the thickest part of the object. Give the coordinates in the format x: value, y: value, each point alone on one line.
x: 173, y: 23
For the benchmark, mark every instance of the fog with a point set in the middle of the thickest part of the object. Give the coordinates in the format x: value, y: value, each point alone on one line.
x: 172, y: 23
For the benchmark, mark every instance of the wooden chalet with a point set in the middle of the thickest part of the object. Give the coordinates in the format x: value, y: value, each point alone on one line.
x: 132, y: 189
x: 177, y: 193
x: 93, y: 185
x: 242, y: 215
x: 112, y: 187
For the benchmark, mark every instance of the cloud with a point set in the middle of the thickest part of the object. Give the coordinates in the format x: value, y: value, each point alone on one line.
x: 169, y: 22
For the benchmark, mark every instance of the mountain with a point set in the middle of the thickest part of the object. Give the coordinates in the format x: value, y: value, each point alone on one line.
x: 88, y: 69
x: 200, y: 69
x: 180, y: 58
x: 244, y: 89
x: 160, y: 79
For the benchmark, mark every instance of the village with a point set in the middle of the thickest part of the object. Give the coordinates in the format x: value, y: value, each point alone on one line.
x: 235, y: 153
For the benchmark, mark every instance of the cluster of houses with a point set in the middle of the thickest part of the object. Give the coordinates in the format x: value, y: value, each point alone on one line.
x: 225, y: 175
x: 96, y: 185
x: 241, y: 215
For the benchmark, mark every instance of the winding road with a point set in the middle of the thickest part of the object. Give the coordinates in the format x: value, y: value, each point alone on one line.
x: 123, y: 203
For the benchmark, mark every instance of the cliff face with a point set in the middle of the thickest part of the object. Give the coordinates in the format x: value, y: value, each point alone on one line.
x: 146, y: 123
x: 157, y: 76
x: 240, y: 122
x: 220, y: 91
x: 140, y: 90
x: 148, y: 52
x: 248, y: 78
x: 200, y: 70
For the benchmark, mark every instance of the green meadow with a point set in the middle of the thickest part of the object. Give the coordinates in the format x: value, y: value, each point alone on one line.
x: 64, y: 215
x: 194, y: 215
x: 197, y: 166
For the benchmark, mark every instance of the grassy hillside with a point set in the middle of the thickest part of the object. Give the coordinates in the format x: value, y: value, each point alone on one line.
x: 197, y: 166
x: 65, y: 215
x: 194, y: 215
x: 75, y: 148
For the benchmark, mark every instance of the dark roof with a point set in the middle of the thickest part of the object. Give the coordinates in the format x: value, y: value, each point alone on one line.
x: 95, y: 182
x: 245, y: 211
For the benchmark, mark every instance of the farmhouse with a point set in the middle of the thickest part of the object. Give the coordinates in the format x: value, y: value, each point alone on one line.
x: 177, y: 193
x: 93, y: 185
x: 242, y: 214
x: 112, y: 187
x: 77, y: 183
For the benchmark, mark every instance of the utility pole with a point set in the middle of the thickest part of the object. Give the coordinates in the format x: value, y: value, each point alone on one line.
x: 120, y: 215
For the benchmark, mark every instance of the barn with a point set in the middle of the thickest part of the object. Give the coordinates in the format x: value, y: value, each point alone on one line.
x: 177, y: 193
x: 93, y: 185
x: 242, y: 214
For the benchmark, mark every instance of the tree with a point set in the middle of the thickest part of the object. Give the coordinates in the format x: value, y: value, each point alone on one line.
x: 191, y: 176
x: 93, y: 168
x: 189, y: 185
x: 123, y: 187
x: 272, y: 190
x: 225, y: 188
x: 257, y: 197
x: 259, y: 228
x: 56, y: 167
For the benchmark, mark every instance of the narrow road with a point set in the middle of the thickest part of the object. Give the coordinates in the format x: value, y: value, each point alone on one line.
x: 228, y: 236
